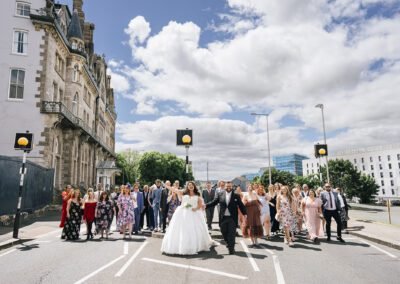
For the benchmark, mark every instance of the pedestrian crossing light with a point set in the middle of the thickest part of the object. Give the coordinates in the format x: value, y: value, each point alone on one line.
x: 184, y: 137
x: 320, y: 150
x: 23, y: 141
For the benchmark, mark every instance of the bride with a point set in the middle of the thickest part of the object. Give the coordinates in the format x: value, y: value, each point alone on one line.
x: 187, y: 233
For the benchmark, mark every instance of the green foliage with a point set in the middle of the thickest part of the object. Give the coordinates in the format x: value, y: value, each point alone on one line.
x: 312, y: 181
x: 282, y: 177
x: 128, y: 162
x: 155, y: 165
x: 343, y: 174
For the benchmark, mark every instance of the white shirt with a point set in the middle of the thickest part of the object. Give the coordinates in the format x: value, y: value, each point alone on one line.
x: 330, y: 197
x: 134, y: 195
x: 341, y: 201
x: 228, y: 196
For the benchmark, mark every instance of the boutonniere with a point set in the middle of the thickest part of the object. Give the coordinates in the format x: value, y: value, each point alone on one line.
x: 235, y: 200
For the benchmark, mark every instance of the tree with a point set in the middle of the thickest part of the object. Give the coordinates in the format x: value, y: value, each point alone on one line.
x: 343, y: 174
x: 282, y: 177
x: 155, y: 165
x: 128, y: 162
x: 312, y: 181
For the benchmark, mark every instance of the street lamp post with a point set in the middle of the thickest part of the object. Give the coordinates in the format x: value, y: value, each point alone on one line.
x: 321, y: 106
x: 269, y: 150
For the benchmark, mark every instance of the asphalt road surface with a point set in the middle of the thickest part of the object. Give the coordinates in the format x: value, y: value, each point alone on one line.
x: 49, y: 259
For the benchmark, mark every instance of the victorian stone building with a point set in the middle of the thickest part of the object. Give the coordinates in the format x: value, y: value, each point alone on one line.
x: 57, y: 87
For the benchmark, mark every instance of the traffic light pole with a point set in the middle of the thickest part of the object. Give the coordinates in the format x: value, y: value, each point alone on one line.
x: 21, y: 185
x: 187, y: 161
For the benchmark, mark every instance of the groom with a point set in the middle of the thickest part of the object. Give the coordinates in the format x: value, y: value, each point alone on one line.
x: 229, y: 203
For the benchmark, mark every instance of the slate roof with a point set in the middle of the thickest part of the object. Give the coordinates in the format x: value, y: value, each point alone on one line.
x: 74, y: 28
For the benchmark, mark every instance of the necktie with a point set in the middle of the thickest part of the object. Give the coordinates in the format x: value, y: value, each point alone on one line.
x: 330, y: 197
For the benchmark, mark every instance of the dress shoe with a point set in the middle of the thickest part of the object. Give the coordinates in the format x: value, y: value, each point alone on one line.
x: 328, y: 239
x: 231, y: 251
x: 340, y: 239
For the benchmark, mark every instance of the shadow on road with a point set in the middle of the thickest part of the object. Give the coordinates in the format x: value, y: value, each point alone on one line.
x: 27, y: 247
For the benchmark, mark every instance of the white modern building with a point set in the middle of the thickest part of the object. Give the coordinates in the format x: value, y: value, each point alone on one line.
x: 380, y: 162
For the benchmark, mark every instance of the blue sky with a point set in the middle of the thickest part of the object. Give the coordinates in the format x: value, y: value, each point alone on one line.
x: 206, y: 64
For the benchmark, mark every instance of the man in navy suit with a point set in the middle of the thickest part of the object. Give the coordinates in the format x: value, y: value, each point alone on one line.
x: 331, y: 208
x: 139, y: 207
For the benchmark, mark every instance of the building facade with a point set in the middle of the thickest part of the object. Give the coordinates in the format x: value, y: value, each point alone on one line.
x: 290, y: 163
x: 381, y: 162
x: 56, y: 86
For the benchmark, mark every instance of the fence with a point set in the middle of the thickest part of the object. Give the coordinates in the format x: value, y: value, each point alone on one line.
x: 38, y: 186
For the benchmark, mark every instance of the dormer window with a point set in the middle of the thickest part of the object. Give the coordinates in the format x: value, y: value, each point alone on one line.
x: 74, y: 45
x: 75, y: 77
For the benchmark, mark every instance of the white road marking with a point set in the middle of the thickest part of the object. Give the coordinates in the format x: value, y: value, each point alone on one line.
x: 278, y: 271
x: 10, y: 251
x: 378, y: 248
x: 126, y: 265
x: 196, y: 268
x: 99, y: 270
x: 126, y: 248
x: 249, y: 256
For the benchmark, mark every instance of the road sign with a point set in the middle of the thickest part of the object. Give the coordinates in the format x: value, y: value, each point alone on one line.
x: 23, y: 141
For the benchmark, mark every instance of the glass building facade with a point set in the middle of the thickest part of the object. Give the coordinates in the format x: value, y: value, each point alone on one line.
x: 290, y: 163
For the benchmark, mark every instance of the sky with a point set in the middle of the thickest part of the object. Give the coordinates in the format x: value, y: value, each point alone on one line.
x: 207, y: 64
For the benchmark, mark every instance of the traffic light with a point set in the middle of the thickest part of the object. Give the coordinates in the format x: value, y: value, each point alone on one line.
x: 23, y: 141
x: 184, y: 137
x: 320, y: 150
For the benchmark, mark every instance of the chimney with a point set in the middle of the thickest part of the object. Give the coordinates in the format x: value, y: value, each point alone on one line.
x: 77, y: 5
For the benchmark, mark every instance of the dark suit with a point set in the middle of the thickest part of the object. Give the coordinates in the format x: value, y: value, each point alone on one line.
x: 164, y: 207
x: 145, y: 211
x: 138, y: 211
x: 228, y: 224
x: 328, y: 214
x: 208, y: 197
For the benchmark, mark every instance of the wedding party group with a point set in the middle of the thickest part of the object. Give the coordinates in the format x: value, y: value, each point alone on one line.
x: 185, y: 215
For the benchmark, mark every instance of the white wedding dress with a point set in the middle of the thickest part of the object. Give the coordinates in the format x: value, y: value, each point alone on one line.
x: 187, y: 233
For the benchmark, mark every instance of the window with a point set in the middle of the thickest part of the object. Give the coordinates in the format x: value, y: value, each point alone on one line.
x: 363, y: 167
x: 399, y: 165
x: 379, y: 159
x: 390, y: 166
x: 370, y: 159
x: 373, y: 175
x: 75, y: 77
x: 380, y: 167
x: 381, y: 175
x: 362, y: 160
x: 382, y: 183
x: 372, y: 167
x: 391, y: 174
x: 388, y: 157
x: 307, y: 165
x: 61, y: 93
x: 355, y: 161
x: 75, y: 104
x: 398, y: 157
x: 59, y: 65
x: 17, y: 84
x: 55, y: 91
x: 383, y: 191
x: 392, y: 183
x: 392, y: 191
x: 23, y: 9
x: 20, y: 45
x: 356, y: 168
x: 308, y: 172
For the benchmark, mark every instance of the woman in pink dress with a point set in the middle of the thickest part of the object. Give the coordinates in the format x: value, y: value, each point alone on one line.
x: 312, y: 215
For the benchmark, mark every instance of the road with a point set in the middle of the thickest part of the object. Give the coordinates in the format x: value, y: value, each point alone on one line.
x: 51, y: 260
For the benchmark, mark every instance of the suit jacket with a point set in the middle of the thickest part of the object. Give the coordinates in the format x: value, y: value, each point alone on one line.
x: 208, y: 196
x: 325, y: 198
x: 146, y: 199
x: 164, y: 199
x: 234, y: 203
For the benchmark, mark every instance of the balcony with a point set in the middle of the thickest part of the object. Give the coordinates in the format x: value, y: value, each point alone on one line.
x: 61, y: 109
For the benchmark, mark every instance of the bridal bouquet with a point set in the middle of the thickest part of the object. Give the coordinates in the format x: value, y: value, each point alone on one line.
x: 187, y: 205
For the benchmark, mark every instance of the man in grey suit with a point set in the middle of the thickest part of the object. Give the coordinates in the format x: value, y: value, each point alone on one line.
x: 331, y: 208
x: 208, y: 195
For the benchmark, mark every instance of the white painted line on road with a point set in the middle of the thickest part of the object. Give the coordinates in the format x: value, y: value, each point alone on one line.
x: 126, y: 248
x: 10, y: 251
x: 278, y: 271
x: 126, y: 265
x: 235, y: 276
x: 249, y: 256
x: 99, y: 270
x: 378, y: 248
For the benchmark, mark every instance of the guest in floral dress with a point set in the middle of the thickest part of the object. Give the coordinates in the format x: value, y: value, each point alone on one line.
x: 173, y: 202
x: 297, y: 212
x: 285, y: 214
x: 104, y: 214
x: 74, y: 217
x: 126, y: 212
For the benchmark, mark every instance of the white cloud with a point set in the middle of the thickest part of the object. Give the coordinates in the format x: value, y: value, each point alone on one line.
x: 286, y: 62
x: 119, y: 83
x: 138, y: 30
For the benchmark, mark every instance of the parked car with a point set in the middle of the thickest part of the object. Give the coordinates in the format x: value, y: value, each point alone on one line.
x: 395, y: 202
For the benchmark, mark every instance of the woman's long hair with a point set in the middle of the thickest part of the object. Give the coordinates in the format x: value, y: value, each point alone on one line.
x: 195, y: 191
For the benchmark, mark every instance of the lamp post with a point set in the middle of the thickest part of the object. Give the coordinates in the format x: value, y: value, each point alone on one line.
x: 269, y: 150
x: 321, y: 106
